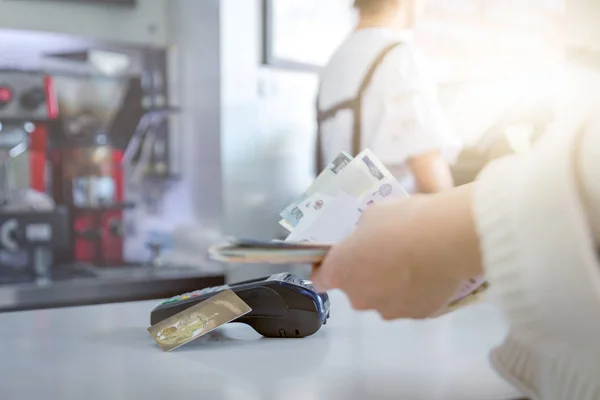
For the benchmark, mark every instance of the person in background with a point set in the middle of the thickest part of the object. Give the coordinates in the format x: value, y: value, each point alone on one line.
x: 376, y: 93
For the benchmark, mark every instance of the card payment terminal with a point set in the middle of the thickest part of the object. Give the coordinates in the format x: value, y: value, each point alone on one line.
x: 283, y: 305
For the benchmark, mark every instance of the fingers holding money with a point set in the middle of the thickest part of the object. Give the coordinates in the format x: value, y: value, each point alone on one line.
x: 378, y: 268
x: 391, y: 253
x: 343, y: 268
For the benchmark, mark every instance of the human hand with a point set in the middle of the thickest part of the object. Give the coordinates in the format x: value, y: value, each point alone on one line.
x: 406, y: 258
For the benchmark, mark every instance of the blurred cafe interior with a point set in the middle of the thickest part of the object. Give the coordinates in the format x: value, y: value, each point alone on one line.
x: 143, y: 131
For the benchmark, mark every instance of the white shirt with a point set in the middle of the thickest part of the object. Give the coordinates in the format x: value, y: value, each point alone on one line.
x: 401, y: 115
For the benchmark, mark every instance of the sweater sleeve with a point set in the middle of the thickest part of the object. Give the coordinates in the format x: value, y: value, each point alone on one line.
x: 588, y: 169
x: 538, y: 218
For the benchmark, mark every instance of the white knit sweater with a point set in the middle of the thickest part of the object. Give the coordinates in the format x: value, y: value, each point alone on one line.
x: 538, y: 216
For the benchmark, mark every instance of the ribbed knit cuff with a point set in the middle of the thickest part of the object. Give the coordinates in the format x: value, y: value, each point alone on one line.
x: 537, y: 247
x: 498, y: 230
x: 539, y: 375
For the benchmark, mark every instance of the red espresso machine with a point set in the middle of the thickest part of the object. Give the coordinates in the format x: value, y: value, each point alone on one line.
x: 89, y: 180
x: 32, y: 227
x: 97, y: 118
x: 28, y: 113
x: 63, y: 128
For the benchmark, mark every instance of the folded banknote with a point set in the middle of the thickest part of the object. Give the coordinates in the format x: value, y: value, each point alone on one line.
x: 292, y: 213
x: 357, y: 177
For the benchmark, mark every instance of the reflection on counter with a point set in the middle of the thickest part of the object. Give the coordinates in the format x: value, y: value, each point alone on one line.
x: 85, y: 285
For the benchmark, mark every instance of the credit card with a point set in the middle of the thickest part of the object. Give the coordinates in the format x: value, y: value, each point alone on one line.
x: 198, y: 320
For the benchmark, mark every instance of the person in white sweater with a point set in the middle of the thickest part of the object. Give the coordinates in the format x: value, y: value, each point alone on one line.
x: 531, y: 224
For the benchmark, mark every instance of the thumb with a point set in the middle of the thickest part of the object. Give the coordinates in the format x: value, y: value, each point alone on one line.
x: 319, y: 278
x: 327, y: 275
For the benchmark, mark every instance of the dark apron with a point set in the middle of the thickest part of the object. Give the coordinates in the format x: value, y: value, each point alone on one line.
x: 355, y: 105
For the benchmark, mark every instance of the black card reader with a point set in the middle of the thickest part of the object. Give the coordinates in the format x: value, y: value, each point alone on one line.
x: 283, y: 305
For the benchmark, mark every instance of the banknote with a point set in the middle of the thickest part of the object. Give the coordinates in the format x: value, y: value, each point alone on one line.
x: 292, y: 212
x: 361, y: 176
x: 198, y: 320
x: 475, y: 296
x: 334, y: 223
x: 468, y: 288
x: 387, y: 190
x: 286, y: 224
x: 308, y: 209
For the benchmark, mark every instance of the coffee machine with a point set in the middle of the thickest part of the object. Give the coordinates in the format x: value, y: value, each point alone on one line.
x: 97, y: 118
x: 28, y: 109
x: 32, y: 227
x: 96, y: 135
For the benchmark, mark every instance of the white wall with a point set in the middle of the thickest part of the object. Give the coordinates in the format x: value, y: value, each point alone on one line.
x: 247, y: 130
x: 144, y: 24
x: 267, y: 131
x: 194, y: 84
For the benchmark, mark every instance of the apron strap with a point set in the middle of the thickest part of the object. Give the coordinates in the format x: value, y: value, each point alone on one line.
x: 354, y: 104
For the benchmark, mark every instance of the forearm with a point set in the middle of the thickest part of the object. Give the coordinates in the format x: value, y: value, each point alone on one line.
x: 439, y: 182
x: 431, y: 173
x: 445, y: 223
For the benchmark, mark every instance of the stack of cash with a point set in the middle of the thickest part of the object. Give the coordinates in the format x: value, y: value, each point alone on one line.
x: 322, y: 216
x: 331, y: 207
x: 326, y: 213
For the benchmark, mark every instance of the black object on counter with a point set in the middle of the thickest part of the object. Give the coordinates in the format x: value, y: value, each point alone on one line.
x: 283, y: 305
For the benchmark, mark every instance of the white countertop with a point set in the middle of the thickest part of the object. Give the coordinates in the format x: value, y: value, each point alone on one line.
x: 105, y: 352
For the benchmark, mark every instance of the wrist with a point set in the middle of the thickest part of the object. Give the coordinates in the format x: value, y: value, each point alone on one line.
x: 448, y: 218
